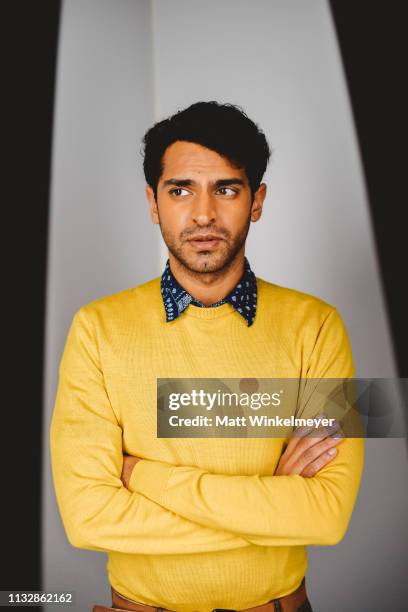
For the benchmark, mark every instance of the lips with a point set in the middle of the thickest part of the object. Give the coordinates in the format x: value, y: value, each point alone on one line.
x: 204, y: 238
x: 204, y: 242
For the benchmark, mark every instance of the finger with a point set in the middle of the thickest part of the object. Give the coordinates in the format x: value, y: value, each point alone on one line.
x: 298, y: 463
x: 295, y: 452
x: 320, y: 462
x: 302, y: 432
x: 306, y: 437
x: 313, y: 430
x: 315, y: 436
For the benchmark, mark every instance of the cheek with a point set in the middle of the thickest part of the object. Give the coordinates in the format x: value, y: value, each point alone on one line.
x: 173, y: 219
x: 233, y: 217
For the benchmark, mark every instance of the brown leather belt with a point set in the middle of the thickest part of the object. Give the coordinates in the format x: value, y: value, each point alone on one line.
x: 287, y: 603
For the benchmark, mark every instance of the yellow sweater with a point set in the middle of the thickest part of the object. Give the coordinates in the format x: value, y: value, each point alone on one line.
x: 204, y: 523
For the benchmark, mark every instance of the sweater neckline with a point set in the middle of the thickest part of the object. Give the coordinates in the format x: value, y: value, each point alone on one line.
x: 209, y: 313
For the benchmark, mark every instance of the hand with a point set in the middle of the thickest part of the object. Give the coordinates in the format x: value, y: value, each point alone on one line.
x: 306, y: 455
x: 129, y: 462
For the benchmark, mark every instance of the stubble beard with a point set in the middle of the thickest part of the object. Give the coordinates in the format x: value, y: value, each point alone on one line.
x: 206, y: 262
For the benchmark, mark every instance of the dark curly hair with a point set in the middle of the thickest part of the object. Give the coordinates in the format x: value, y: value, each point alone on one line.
x: 224, y: 128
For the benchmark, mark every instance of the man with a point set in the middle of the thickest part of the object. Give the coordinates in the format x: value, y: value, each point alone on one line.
x: 196, y: 525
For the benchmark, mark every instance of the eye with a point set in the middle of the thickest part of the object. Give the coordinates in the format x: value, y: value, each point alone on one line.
x: 178, y: 191
x: 227, y: 191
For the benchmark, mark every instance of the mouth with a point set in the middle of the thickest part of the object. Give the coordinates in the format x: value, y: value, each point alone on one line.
x: 205, y: 242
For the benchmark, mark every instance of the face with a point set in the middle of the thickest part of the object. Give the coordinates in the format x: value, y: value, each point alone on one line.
x: 204, y: 207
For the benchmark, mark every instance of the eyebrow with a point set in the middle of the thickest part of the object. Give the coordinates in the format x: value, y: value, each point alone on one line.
x: 189, y: 182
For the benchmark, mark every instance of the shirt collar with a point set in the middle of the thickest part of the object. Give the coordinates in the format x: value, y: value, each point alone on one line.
x: 243, y: 298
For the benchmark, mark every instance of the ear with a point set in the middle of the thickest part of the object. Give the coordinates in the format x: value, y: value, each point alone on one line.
x: 259, y: 197
x: 154, y: 211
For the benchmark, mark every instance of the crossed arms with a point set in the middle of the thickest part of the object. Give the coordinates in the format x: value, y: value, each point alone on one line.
x: 169, y: 509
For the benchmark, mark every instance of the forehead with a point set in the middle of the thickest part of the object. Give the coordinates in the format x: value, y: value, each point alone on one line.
x: 188, y: 159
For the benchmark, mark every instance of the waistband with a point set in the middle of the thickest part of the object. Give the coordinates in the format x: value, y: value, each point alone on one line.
x: 287, y: 603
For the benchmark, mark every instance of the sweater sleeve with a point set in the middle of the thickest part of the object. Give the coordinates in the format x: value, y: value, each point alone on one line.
x: 271, y: 510
x: 97, y: 511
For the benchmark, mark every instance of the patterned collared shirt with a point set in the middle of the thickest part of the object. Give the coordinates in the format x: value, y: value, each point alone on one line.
x: 243, y: 297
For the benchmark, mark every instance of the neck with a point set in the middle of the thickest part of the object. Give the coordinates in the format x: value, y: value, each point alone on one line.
x: 211, y: 286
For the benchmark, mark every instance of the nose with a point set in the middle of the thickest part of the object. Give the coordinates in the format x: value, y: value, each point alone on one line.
x: 204, y: 212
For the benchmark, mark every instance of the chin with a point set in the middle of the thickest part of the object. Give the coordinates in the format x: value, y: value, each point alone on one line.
x: 206, y: 262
